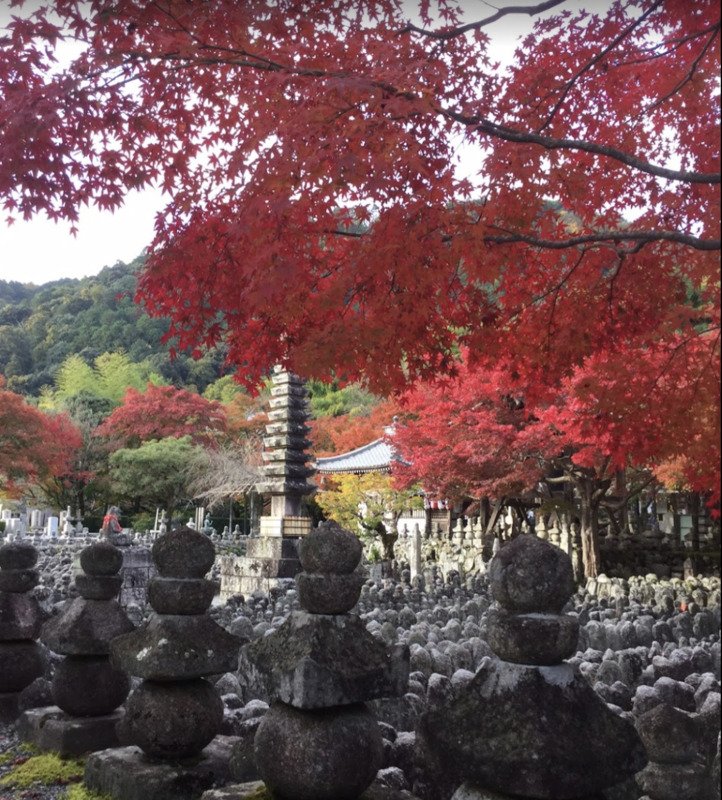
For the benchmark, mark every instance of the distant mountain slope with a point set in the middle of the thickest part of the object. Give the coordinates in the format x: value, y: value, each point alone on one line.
x: 40, y: 326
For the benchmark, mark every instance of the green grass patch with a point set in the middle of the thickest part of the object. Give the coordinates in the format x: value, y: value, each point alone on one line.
x: 264, y: 793
x: 79, y: 792
x: 47, y: 768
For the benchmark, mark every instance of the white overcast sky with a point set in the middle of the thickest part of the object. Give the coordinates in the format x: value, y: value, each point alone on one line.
x: 39, y: 251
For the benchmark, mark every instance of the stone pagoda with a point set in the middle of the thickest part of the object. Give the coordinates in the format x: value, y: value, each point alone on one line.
x: 272, y: 558
x: 528, y: 725
x: 320, y: 740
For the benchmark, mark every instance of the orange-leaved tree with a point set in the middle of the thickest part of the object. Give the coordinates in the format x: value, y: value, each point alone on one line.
x: 316, y: 215
x: 34, y: 447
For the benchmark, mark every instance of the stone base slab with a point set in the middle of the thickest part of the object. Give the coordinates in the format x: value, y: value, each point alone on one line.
x: 51, y: 729
x: 285, y: 526
x: 236, y: 791
x: 271, y: 547
x: 245, y: 791
x: 9, y: 707
x: 126, y: 773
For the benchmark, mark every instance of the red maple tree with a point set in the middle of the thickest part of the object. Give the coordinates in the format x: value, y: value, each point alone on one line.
x: 316, y: 216
x: 160, y: 412
x: 488, y: 434
x: 34, y: 447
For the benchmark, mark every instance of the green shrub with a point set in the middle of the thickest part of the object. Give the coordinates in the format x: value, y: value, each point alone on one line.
x: 142, y: 522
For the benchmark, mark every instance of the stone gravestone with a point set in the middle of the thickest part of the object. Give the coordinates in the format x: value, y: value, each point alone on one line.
x: 173, y: 716
x: 672, y: 738
x: 86, y: 689
x: 319, y: 741
x: 532, y: 726
x: 21, y: 657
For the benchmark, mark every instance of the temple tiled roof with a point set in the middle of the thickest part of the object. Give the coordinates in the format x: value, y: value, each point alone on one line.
x: 373, y: 457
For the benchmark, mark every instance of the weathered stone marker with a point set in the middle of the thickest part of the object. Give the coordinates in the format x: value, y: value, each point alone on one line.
x: 174, y: 714
x: 319, y: 741
x: 528, y: 725
x: 21, y: 657
x: 86, y: 689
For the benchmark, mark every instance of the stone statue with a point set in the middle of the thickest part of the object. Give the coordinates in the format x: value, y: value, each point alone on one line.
x: 111, y: 523
x: 111, y: 529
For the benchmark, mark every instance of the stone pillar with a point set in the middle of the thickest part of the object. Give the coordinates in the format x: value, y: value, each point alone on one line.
x: 21, y: 658
x: 319, y: 740
x: 532, y: 726
x: 415, y: 564
x: 86, y: 689
x: 174, y: 714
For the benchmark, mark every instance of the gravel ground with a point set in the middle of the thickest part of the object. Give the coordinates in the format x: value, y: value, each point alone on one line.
x: 13, y: 753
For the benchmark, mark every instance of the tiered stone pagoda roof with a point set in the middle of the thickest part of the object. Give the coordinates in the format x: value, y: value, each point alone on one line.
x: 285, y: 471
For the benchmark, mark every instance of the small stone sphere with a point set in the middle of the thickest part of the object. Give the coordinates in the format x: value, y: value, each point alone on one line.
x: 330, y: 548
x: 529, y: 574
x: 321, y: 754
x: 88, y: 686
x: 183, y: 553
x: 175, y: 719
x: 17, y: 581
x: 101, y: 558
x: 329, y: 594
x: 22, y: 662
x: 98, y: 587
x: 18, y: 555
x: 180, y: 595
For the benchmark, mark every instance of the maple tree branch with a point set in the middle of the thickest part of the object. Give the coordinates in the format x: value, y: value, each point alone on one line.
x: 556, y: 290
x: 642, y: 237
x: 597, y: 58
x: 616, y: 502
x: 688, y: 77
x: 452, y: 33
x: 674, y: 44
x: 553, y: 143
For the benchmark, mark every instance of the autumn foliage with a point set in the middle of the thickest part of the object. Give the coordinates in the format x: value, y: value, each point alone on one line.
x: 316, y: 216
x: 34, y: 447
x: 161, y: 412
x: 348, y: 432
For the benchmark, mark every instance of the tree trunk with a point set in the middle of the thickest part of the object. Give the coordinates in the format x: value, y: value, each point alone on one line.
x: 694, y: 533
x: 589, y: 529
x: 494, y: 518
x: 387, y: 540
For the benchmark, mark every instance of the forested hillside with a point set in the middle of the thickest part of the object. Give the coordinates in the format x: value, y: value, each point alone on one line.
x: 40, y: 326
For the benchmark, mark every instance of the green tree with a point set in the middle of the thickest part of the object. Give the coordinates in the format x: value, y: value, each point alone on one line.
x: 333, y: 400
x: 224, y: 390
x: 158, y: 473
